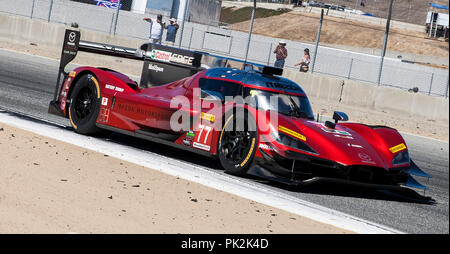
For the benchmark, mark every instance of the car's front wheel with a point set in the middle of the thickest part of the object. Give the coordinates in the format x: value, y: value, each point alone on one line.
x: 85, y: 105
x: 238, y: 142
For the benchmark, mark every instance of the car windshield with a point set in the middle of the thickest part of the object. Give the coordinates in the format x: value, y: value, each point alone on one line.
x: 291, y: 105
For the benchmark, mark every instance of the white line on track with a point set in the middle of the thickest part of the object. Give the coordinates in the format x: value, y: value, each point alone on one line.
x: 431, y: 139
x: 203, y: 176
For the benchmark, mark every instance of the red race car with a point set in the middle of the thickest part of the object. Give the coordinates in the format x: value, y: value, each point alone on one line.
x: 250, y: 118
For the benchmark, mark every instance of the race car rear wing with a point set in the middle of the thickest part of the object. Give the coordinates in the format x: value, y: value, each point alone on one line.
x: 161, y: 64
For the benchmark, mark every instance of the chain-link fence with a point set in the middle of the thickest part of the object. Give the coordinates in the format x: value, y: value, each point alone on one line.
x: 210, y: 38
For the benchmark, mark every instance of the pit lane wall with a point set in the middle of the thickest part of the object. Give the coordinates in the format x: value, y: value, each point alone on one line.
x: 20, y: 30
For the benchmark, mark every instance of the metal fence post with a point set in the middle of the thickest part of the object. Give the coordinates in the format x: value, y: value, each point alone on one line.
x: 117, y: 17
x: 190, y: 39
x: 203, y: 40
x: 386, y: 35
x: 317, y: 42
x: 50, y: 10
x: 431, y: 24
x: 250, y: 31
x: 350, y: 69
x: 32, y: 9
x: 185, y: 13
x: 409, y: 11
x: 431, y: 83
x: 270, y: 53
x: 230, y: 45
x: 446, y: 89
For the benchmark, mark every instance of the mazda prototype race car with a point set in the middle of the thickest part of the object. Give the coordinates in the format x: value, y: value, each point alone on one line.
x: 249, y: 117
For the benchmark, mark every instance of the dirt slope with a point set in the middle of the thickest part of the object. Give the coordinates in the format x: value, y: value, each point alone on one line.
x: 411, y: 11
x: 338, y: 31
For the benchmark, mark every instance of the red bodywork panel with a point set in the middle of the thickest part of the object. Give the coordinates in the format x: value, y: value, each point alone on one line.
x: 127, y: 107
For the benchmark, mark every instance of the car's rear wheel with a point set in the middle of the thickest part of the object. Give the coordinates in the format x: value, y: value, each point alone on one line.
x: 237, y: 146
x: 85, y: 105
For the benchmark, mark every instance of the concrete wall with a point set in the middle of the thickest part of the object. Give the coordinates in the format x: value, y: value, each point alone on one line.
x: 22, y: 30
x: 366, y: 96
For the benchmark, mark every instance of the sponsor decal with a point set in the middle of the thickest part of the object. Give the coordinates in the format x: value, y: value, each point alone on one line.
x: 112, y: 4
x: 208, y: 117
x: 254, y: 92
x: 347, y: 137
x: 265, y: 147
x: 104, y: 115
x: 97, y: 86
x: 291, y: 132
x: 187, y: 142
x: 336, y: 131
x: 397, y: 148
x: 114, y: 88
x: 160, y: 55
x: 176, y: 58
x: 365, y: 158
x: 104, y: 101
x: 72, y: 37
x: 281, y: 86
x: 63, y: 104
x: 201, y: 146
x: 142, y: 111
x: 249, y: 153
x: 165, y: 56
x: 155, y: 67
x: 190, y: 134
x: 72, y: 74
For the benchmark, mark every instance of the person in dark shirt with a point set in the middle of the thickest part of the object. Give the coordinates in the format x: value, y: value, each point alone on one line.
x: 172, y: 31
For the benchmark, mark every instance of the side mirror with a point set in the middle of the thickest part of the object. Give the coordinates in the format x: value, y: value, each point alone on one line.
x: 339, y: 116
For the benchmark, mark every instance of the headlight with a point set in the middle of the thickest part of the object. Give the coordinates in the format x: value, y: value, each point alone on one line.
x: 291, y: 142
x: 401, y: 158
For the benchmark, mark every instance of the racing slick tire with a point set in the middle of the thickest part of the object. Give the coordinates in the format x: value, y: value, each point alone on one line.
x: 237, y: 148
x: 85, y: 105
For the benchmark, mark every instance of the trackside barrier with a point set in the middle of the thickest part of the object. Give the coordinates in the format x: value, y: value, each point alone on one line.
x: 365, y: 95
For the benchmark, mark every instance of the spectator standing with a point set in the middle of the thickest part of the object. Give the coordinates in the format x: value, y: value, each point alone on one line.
x: 172, y: 31
x: 304, y: 63
x: 156, y: 29
x: 281, y: 54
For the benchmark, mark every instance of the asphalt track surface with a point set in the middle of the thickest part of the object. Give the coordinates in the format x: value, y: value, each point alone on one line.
x: 27, y: 84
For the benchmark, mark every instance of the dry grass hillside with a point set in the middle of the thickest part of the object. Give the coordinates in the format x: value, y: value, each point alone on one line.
x: 337, y: 31
x: 412, y: 11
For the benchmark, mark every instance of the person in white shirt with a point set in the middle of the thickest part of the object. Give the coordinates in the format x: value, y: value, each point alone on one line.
x: 304, y: 63
x: 156, y: 29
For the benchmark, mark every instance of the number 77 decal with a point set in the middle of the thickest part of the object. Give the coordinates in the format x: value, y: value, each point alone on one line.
x: 203, y: 138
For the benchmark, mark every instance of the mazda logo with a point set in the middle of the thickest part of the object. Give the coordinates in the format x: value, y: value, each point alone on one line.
x: 364, y: 156
x: 72, y: 36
